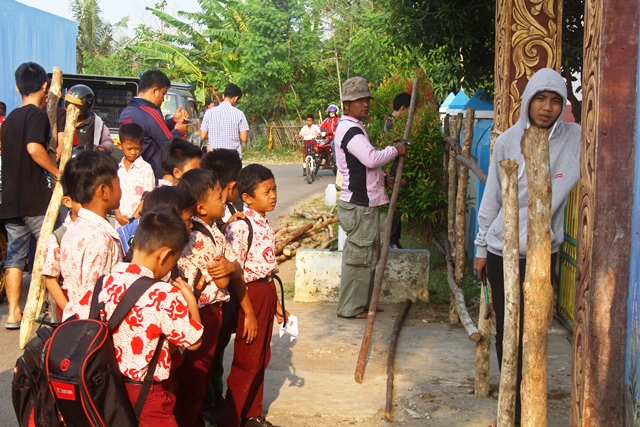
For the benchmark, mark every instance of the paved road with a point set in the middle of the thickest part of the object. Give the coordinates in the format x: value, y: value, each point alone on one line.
x: 292, y: 189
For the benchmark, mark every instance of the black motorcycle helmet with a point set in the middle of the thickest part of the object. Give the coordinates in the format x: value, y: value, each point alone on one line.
x: 82, y: 96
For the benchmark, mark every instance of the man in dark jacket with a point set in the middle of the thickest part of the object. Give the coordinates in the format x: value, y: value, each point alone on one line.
x: 144, y: 110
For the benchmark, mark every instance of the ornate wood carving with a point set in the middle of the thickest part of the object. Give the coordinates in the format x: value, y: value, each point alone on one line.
x: 607, y: 169
x: 528, y: 37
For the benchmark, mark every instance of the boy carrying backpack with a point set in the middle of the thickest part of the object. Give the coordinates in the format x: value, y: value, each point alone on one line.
x: 89, y: 388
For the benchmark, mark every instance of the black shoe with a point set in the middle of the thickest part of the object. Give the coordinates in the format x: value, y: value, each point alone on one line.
x: 256, y: 422
x: 211, y: 414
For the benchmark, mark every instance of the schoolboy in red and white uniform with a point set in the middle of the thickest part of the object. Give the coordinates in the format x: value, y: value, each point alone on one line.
x: 164, y: 309
x: 245, y: 385
x: 91, y: 248
x: 217, y: 264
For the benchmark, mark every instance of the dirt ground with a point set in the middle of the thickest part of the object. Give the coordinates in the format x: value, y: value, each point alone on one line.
x: 310, y: 380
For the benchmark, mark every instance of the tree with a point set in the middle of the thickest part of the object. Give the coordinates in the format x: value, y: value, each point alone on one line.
x: 94, y: 33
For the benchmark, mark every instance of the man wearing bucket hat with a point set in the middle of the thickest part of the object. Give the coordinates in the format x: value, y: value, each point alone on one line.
x: 363, y: 192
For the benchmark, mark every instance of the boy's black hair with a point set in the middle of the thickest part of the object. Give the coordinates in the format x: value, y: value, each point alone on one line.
x: 198, y: 182
x: 29, y: 78
x: 175, y: 198
x: 153, y: 78
x: 3, y: 109
x: 401, y: 100
x: 310, y: 116
x: 232, y: 91
x: 224, y: 162
x: 251, y: 176
x: 158, y: 228
x: 178, y: 153
x: 132, y: 132
x: 86, y: 172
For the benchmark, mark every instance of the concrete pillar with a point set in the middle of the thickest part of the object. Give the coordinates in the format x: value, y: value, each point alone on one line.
x: 528, y: 37
x: 605, y: 208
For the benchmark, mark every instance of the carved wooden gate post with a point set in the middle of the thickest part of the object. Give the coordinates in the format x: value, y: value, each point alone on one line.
x: 606, y: 199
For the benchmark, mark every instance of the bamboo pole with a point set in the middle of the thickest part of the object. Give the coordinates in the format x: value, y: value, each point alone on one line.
x: 511, y: 259
x: 454, y: 129
x: 391, y: 356
x: 382, y: 264
x: 35, y: 297
x: 538, y: 294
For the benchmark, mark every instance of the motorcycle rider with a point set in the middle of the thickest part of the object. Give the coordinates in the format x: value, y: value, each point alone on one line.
x: 308, y: 134
x: 91, y: 132
x: 330, y: 124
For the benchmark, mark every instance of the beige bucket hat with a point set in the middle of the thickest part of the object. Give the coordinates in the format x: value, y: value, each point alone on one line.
x: 355, y: 88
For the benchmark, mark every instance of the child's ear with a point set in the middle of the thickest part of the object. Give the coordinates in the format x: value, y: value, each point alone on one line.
x: 246, y: 198
x: 200, y: 209
x: 177, y: 173
x: 66, y: 200
x: 164, y: 255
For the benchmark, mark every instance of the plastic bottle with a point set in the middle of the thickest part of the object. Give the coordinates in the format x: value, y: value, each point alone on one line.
x: 330, y: 194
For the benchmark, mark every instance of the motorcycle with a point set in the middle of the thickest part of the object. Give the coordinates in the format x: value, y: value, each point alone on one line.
x: 319, y: 155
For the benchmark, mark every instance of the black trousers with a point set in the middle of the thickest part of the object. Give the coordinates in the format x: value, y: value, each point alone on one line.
x: 495, y: 274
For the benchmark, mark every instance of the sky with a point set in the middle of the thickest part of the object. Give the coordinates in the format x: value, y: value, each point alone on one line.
x: 115, y: 10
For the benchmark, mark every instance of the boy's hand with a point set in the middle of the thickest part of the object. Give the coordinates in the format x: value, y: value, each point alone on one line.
x: 122, y: 219
x: 280, y: 316
x: 236, y: 216
x: 185, y: 289
x: 250, y: 328
x: 221, y: 267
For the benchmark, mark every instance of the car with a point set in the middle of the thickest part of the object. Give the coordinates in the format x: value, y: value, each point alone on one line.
x: 113, y: 94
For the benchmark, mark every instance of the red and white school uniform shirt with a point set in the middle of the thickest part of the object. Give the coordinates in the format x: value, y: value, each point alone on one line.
x: 134, y: 182
x: 160, y: 310
x: 198, y: 254
x: 259, y: 261
x: 89, y: 249
x: 51, y: 266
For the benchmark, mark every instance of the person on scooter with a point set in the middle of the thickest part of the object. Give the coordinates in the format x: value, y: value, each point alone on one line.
x: 308, y: 134
x: 330, y: 124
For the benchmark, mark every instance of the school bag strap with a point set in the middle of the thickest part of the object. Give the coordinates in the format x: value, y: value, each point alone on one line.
x: 250, y: 238
x: 148, y: 378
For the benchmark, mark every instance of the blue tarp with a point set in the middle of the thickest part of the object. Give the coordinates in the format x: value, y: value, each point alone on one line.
x: 30, y: 34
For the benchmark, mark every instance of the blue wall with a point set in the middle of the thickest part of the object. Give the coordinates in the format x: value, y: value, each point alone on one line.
x: 632, y: 368
x: 29, y: 34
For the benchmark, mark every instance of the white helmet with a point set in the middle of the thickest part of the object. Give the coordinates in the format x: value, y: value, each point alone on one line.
x: 333, y: 108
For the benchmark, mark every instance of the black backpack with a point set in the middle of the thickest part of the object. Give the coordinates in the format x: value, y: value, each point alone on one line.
x: 82, y: 369
x: 32, y: 400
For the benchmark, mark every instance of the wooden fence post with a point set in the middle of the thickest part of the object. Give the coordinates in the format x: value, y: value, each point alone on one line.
x: 538, y: 293
x: 511, y: 259
x: 454, y: 129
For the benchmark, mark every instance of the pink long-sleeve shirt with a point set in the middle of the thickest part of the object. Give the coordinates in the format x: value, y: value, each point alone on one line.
x: 360, y: 164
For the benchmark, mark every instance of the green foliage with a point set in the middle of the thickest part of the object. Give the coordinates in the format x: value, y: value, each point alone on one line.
x: 422, y: 197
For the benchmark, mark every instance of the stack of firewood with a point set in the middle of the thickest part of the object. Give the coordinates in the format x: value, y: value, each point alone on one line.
x: 315, y: 234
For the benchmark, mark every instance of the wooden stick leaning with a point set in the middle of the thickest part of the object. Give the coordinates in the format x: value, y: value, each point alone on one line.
x: 382, y: 263
x: 511, y: 259
x: 538, y: 292
x: 458, y: 294
x: 454, y: 132
x: 36, y: 287
x: 391, y: 356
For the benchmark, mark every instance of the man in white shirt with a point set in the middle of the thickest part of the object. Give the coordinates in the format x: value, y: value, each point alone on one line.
x: 226, y: 126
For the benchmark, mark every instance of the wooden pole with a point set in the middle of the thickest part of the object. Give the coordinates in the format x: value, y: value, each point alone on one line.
x: 454, y: 132
x: 382, y: 264
x: 391, y: 356
x: 35, y: 297
x: 55, y: 93
x: 511, y: 259
x: 458, y: 294
x: 538, y: 293
x: 461, y: 199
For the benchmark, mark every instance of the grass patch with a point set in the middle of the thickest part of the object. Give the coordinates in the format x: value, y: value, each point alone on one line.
x: 258, y: 152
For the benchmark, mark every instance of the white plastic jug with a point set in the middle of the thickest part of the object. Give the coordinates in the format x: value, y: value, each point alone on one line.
x: 330, y: 194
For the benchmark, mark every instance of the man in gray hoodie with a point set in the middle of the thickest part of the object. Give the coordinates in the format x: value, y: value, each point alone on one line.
x: 543, y: 103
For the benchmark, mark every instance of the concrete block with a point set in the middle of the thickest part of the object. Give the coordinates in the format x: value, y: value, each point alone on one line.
x: 317, y: 276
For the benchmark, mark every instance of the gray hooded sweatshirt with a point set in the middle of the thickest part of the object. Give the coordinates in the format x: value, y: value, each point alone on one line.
x: 564, y: 153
